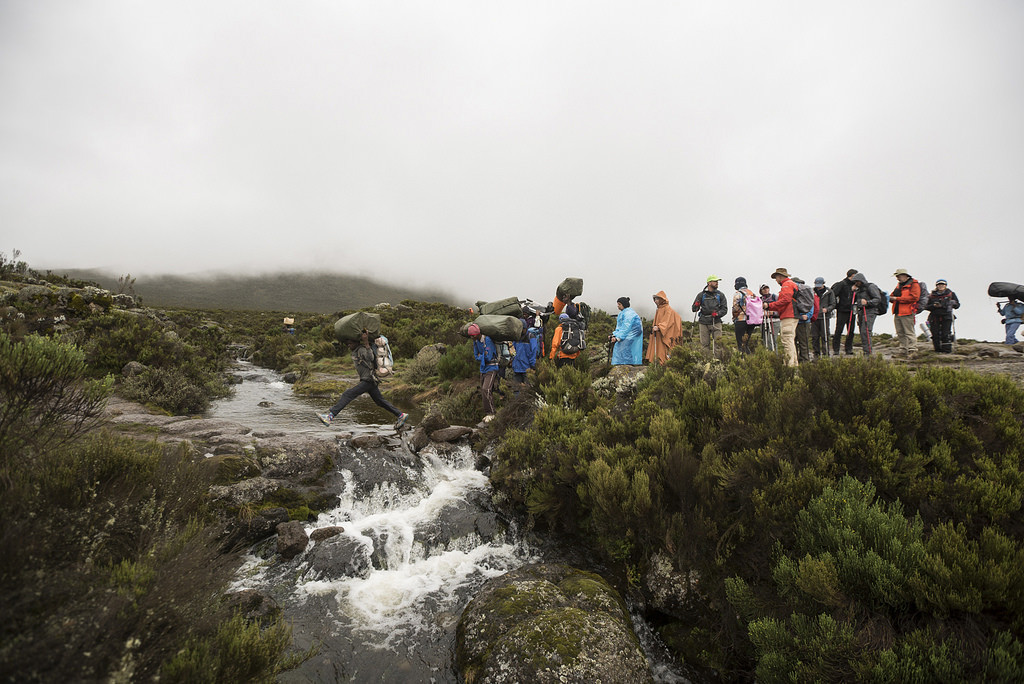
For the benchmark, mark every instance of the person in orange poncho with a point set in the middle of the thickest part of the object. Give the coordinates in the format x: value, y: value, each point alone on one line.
x: 667, y: 330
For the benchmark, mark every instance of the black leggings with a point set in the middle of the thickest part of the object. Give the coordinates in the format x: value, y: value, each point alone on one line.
x: 364, y: 387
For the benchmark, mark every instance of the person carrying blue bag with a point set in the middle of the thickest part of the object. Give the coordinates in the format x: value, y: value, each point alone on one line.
x: 628, y: 336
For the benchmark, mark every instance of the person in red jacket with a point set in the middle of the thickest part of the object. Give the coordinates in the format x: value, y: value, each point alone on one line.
x: 787, y: 317
x: 904, y: 307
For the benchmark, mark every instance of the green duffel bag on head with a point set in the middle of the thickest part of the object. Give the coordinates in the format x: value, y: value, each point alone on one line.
x: 500, y: 328
x: 570, y: 287
x: 350, y: 328
x: 503, y: 307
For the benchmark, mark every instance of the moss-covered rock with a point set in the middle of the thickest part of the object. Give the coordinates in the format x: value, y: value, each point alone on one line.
x: 548, y: 623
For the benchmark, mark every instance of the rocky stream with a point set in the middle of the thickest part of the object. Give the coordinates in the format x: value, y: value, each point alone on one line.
x: 379, y: 581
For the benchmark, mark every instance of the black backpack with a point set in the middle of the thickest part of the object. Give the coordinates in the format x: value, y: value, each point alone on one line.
x: 573, y: 340
x: 883, y: 299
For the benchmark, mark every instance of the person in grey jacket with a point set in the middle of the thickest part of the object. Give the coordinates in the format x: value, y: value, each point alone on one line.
x: 712, y: 306
x: 866, y: 297
x: 365, y: 362
x: 821, y: 325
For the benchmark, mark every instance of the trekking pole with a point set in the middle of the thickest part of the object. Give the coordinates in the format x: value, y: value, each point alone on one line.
x: 952, y: 328
x: 828, y: 338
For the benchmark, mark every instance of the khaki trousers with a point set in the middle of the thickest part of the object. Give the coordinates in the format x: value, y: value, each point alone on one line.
x: 787, y: 339
x: 905, y: 333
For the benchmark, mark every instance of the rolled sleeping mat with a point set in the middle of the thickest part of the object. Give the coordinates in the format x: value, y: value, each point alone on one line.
x: 349, y: 328
x: 1006, y: 290
x: 500, y: 328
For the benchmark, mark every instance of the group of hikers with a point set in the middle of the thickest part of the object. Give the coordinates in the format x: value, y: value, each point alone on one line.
x: 800, y: 317
x: 806, y: 322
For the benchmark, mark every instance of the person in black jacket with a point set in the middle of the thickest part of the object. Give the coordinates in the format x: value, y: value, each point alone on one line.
x: 821, y: 325
x: 365, y: 362
x: 941, y: 303
x: 843, y: 291
x: 713, y: 306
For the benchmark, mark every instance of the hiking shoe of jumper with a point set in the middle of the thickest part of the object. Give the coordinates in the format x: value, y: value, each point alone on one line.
x: 325, y: 418
x: 401, y: 421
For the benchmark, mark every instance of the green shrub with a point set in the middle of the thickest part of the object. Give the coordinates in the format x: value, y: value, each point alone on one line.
x: 842, y: 512
x: 46, y: 397
x: 458, y: 363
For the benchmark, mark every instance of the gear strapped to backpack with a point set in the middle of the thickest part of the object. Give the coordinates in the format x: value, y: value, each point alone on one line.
x: 573, y: 339
x: 384, y: 361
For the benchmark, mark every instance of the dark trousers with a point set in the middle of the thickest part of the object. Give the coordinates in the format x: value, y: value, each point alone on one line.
x: 743, y: 332
x: 819, y: 335
x: 487, y: 382
x: 803, y: 341
x: 564, y: 361
x: 844, y: 319
x: 942, y: 333
x: 364, y: 387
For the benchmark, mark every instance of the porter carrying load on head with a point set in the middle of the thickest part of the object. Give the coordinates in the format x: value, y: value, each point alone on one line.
x: 350, y: 328
x: 567, y: 290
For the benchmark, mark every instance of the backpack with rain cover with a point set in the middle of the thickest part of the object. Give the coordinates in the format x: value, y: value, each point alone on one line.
x: 573, y: 338
x: 922, y: 300
x: 883, y: 299
x: 1006, y: 290
x: 803, y: 299
x: 752, y: 307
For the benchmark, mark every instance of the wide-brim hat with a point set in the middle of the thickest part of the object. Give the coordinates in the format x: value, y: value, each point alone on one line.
x: 780, y: 272
x: 901, y: 271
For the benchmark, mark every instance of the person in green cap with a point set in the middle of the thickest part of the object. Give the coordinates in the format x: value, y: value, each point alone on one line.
x: 712, y: 306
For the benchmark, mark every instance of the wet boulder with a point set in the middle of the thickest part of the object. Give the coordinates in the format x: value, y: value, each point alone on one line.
x: 548, y: 623
x: 338, y: 557
x: 243, y: 532
x: 291, y: 539
x: 450, y: 434
x: 457, y: 520
x: 322, y: 533
x: 255, y: 606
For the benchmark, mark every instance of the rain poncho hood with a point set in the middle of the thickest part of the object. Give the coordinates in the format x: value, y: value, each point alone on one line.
x: 629, y: 330
x: 670, y: 331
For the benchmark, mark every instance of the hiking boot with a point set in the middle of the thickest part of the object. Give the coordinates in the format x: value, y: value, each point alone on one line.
x: 325, y: 418
x: 401, y: 421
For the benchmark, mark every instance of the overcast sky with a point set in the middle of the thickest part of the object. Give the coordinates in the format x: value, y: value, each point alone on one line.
x: 493, y: 148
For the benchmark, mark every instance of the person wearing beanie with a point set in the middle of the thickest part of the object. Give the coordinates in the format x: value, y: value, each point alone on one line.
x: 742, y: 322
x: 821, y: 325
x: 566, y: 329
x: 941, y: 303
x: 711, y: 307
x: 628, y: 336
x: 845, y: 318
x: 867, y: 297
x: 666, y: 330
x: 486, y: 353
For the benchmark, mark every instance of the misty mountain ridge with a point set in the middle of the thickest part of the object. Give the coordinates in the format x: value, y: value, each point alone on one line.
x: 285, y: 291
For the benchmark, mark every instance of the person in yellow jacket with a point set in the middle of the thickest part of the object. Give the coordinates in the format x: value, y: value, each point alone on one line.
x: 666, y: 331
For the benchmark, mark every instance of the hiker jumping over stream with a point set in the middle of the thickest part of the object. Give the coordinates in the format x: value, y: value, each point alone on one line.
x: 365, y: 362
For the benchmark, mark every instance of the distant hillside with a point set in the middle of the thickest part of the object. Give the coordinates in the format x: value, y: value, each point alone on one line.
x: 305, y: 292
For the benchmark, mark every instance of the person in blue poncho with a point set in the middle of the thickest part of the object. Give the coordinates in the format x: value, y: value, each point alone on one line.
x: 628, y: 336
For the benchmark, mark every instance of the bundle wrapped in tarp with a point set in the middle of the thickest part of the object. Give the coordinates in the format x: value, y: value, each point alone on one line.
x: 500, y: 328
x: 569, y: 288
x: 349, y: 328
x: 1006, y: 290
x: 503, y: 307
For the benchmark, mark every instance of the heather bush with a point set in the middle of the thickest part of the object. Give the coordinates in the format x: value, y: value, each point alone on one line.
x: 848, y: 521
